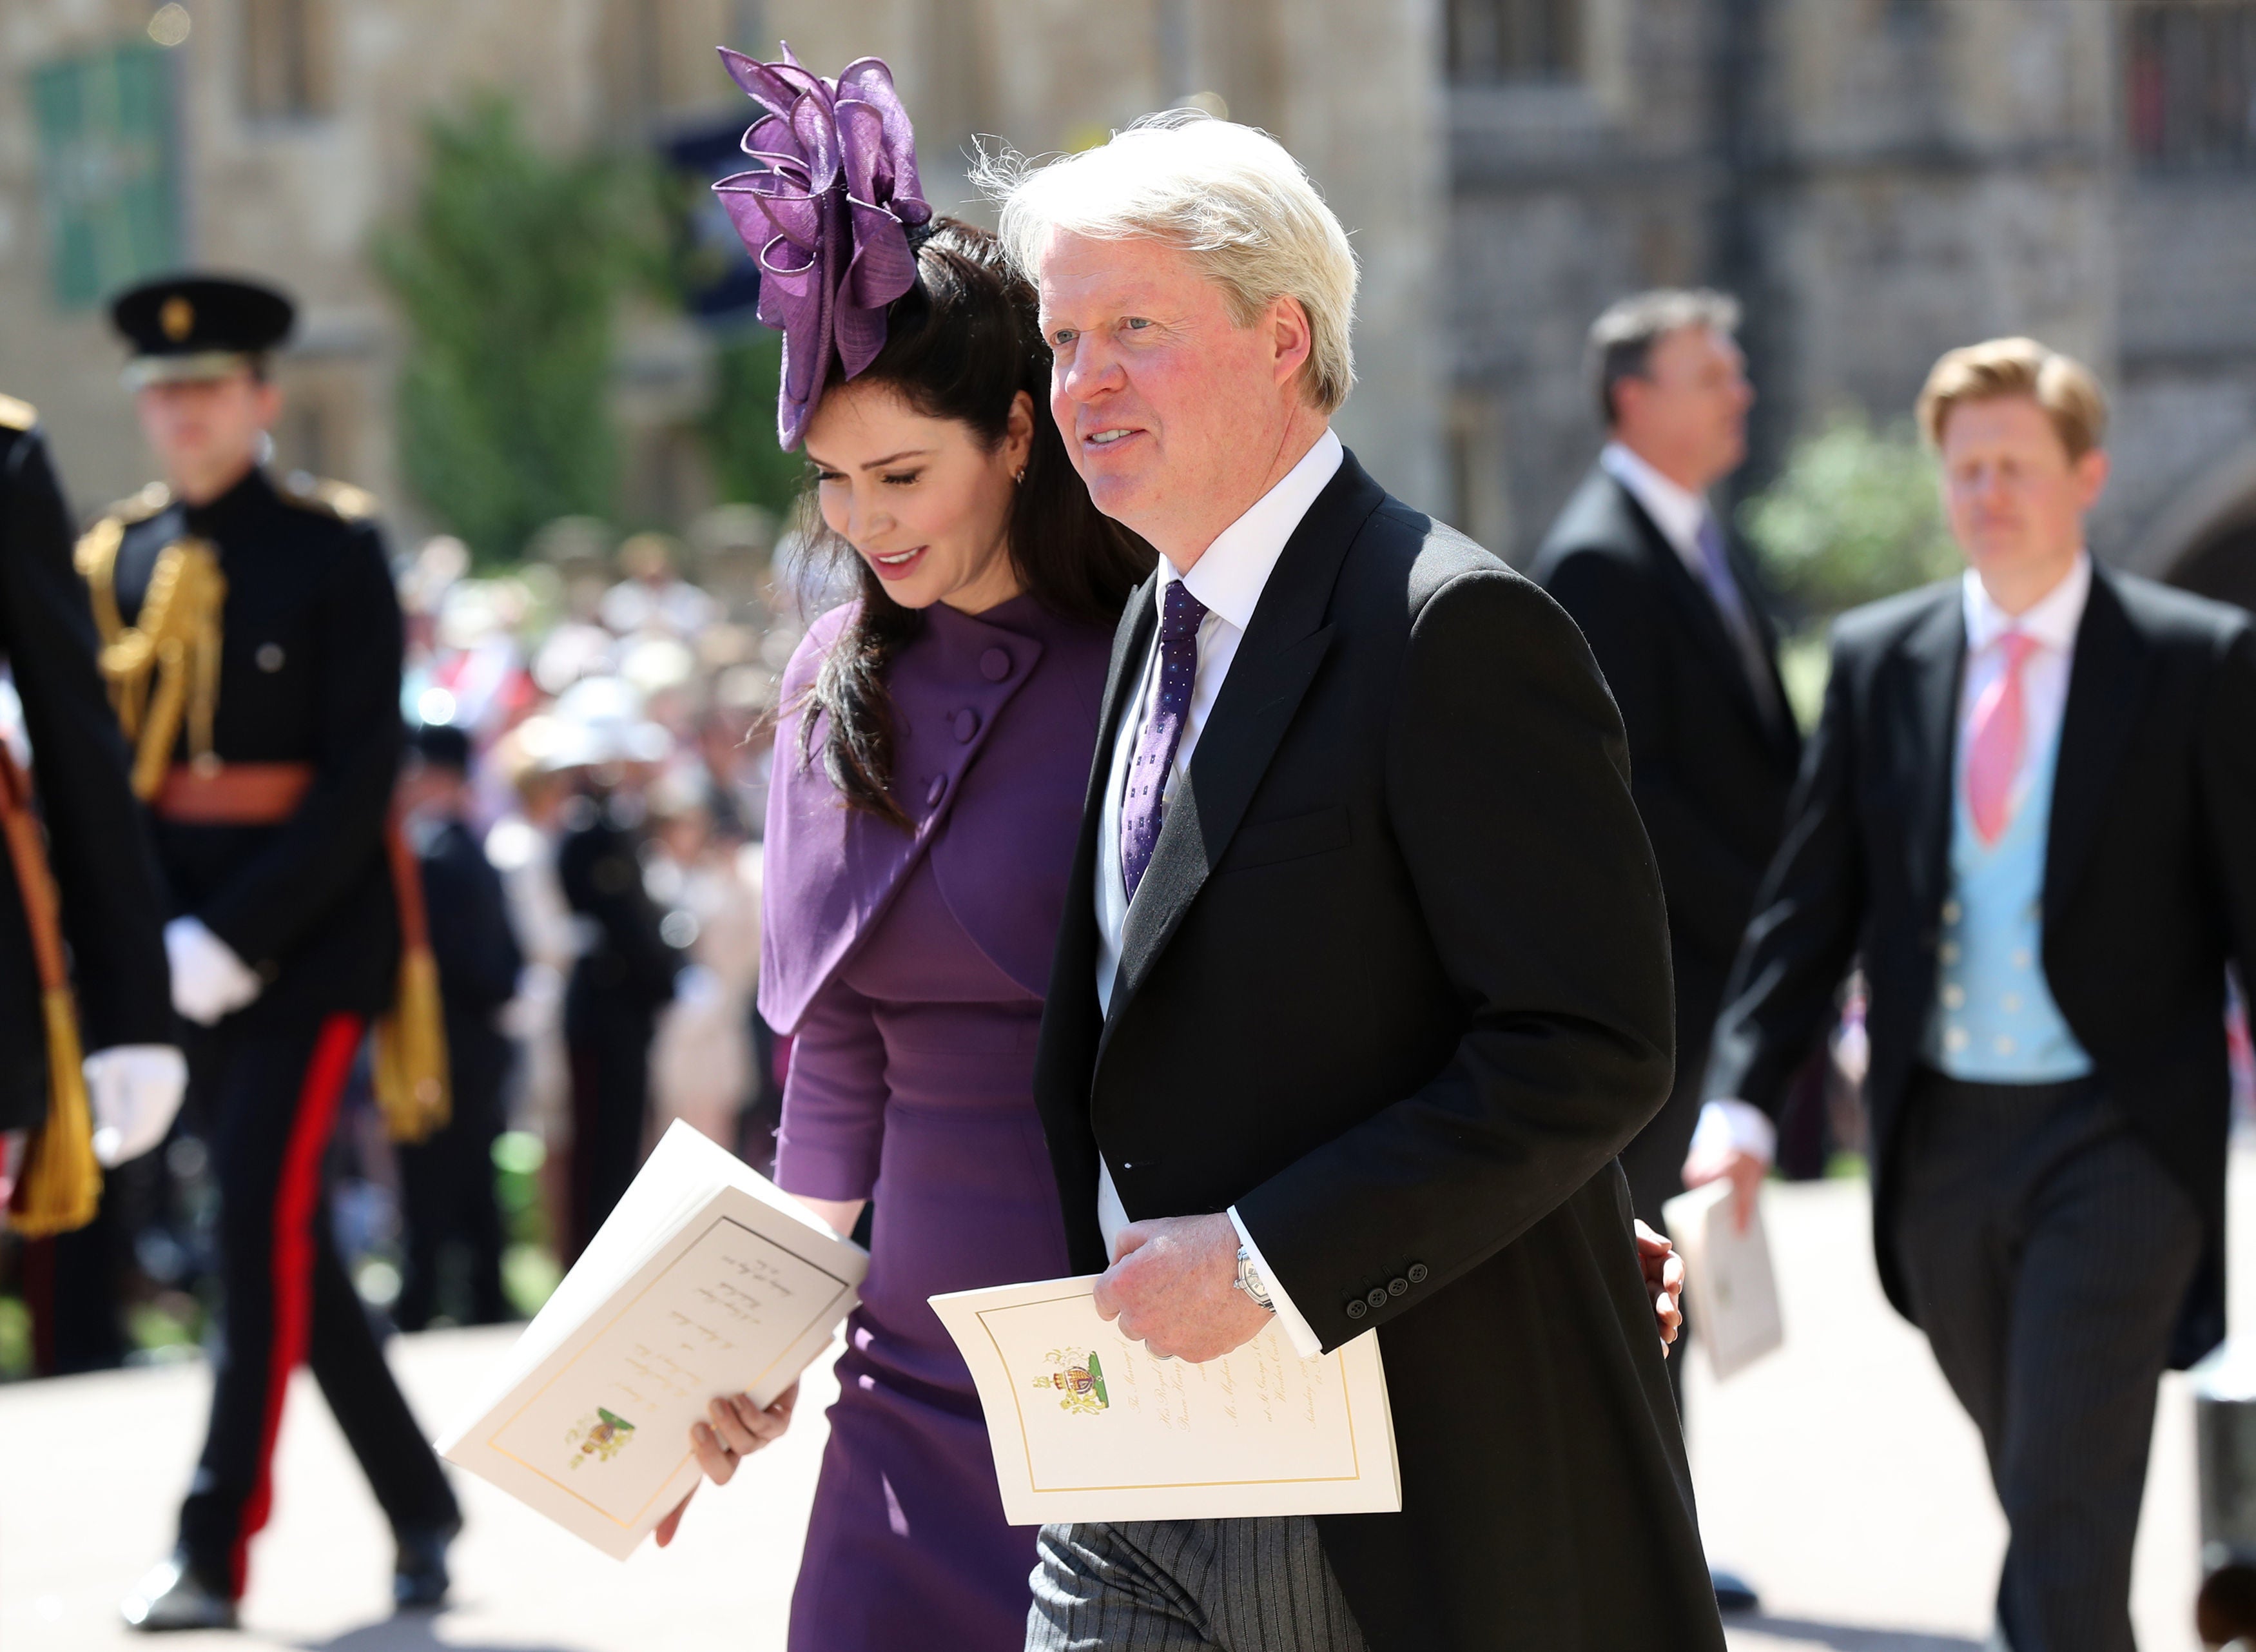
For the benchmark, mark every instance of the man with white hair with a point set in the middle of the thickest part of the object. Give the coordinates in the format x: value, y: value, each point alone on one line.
x: 1365, y: 982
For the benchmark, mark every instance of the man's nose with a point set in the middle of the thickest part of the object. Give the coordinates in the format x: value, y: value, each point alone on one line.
x: 1088, y: 370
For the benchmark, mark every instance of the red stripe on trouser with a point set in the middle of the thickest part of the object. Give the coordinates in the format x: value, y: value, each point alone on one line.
x: 297, y: 1201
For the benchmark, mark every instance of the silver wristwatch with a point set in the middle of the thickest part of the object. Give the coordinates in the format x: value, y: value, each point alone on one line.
x: 1249, y: 1280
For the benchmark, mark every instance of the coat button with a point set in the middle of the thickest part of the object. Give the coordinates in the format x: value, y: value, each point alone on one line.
x: 995, y: 665
x: 269, y: 657
x: 1376, y: 1297
x: 967, y: 725
x: 1415, y: 1273
x: 1398, y: 1287
x: 1356, y: 1310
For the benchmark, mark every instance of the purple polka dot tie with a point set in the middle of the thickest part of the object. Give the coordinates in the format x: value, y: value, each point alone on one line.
x: 1180, y: 613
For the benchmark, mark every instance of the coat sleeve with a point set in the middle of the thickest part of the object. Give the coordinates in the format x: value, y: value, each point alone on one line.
x: 834, y: 1099
x: 98, y: 843
x: 1508, y: 795
x: 1709, y: 883
x: 2228, y: 783
x: 1803, y: 934
x: 471, y: 936
x: 326, y: 850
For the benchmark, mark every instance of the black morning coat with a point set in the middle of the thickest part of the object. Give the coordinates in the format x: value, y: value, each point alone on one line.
x: 478, y: 958
x: 2150, y: 877
x: 309, y: 673
x: 1396, y: 985
x: 97, y: 846
x: 1710, y: 766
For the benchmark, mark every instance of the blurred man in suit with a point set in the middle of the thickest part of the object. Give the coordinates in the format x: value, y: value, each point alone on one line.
x: 2030, y: 809
x: 1641, y: 560
x: 446, y: 1180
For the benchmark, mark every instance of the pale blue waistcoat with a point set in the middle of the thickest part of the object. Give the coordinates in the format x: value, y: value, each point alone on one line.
x: 1994, y: 1020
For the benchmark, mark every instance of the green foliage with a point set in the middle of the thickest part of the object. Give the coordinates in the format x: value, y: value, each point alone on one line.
x: 1853, y: 517
x: 509, y: 271
x: 739, y: 425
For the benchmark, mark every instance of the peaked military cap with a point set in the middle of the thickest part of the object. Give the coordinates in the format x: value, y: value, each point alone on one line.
x: 187, y: 327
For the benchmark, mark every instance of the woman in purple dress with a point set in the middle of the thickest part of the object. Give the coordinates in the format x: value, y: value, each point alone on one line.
x: 933, y: 750
x: 931, y: 764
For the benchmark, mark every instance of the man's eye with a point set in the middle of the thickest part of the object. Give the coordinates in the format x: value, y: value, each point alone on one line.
x: 1136, y: 323
x: 1060, y: 339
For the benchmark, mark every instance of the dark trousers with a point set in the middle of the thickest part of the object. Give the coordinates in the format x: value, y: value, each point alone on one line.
x: 609, y: 1051
x: 73, y: 1285
x: 447, y: 1192
x: 2048, y: 1253
x: 271, y: 1094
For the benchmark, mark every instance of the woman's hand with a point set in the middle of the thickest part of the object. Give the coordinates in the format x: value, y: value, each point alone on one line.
x: 735, y: 1429
x: 1664, y: 1282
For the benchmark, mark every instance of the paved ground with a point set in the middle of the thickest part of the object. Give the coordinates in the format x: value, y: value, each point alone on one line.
x: 1837, y: 1475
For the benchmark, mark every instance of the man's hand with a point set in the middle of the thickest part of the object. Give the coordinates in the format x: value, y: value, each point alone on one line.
x: 1664, y: 1282
x: 208, y: 980
x: 1172, y: 1286
x: 134, y: 1091
x: 1745, y: 1170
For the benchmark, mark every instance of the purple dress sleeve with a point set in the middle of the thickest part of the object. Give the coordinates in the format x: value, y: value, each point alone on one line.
x: 834, y: 1099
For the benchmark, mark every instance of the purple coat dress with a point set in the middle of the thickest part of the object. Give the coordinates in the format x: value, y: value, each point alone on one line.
x: 909, y: 969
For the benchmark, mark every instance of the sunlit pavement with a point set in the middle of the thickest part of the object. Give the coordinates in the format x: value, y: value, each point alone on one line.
x: 1838, y: 1476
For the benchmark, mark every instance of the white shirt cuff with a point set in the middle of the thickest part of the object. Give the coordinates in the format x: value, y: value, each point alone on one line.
x: 1740, y: 1126
x: 1305, y: 1341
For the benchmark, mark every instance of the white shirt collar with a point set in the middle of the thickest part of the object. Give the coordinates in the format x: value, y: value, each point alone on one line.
x: 1676, y: 511
x: 2052, y: 620
x: 1229, y: 577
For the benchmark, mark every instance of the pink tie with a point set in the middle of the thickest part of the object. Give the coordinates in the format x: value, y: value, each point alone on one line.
x: 1995, y: 739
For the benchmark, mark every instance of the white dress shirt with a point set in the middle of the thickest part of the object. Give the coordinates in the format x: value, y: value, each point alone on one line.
x: 2052, y: 621
x: 1677, y: 511
x: 1229, y: 579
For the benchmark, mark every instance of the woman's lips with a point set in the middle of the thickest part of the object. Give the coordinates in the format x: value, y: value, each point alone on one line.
x: 898, y: 564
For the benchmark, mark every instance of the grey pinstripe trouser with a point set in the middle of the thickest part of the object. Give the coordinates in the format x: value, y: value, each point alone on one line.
x: 2047, y: 1252
x: 1188, y: 1585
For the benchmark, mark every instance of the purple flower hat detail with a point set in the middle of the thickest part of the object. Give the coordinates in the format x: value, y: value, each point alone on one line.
x: 828, y: 215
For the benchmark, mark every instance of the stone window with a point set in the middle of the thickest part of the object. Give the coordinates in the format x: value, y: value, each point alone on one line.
x: 2190, y: 100
x: 286, y: 59
x: 1514, y: 42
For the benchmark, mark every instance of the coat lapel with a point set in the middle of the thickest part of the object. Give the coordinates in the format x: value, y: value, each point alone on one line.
x: 1275, y: 663
x: 1935, y: 660
x: 1699, y: 612
x: 2105, y: 684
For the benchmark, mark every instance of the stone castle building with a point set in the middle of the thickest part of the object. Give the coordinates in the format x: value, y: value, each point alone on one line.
x: 1879, y: 179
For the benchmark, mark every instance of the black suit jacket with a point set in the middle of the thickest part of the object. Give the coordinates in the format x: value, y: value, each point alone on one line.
x: 97, y: 846
x: 476, y: 948
x: 309, y: 673
x: 1710, y: 766
x: 1396, y: 986
x: 2150, y: 876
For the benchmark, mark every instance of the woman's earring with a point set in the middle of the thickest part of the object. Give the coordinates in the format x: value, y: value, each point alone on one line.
x: 1021, y: 479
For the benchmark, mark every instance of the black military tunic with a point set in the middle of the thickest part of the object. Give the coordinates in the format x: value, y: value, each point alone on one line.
x: 308, y: 683
x: 98, y: 851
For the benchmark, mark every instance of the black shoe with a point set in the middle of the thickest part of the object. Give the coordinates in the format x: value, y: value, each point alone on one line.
x: 419, y: 1575
x: 175, y: 1596
x: 1732, y: 1591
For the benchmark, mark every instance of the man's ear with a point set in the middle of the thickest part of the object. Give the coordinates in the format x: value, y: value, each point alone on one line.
x: 267, y: 398
x: 1294, y: 340
x: 2092, y: 472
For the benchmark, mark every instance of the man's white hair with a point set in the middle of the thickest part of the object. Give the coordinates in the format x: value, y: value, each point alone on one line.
x: 1228, y: 195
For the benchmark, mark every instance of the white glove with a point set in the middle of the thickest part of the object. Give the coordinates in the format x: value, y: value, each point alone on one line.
x: 136, y: 1089
x: 208, y: 980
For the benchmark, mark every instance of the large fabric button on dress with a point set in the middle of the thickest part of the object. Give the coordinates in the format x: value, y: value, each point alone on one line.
x: 1376, y: 1297
x: 967, y: 725
x: 1356, y: 1310
x: 1398, y: 1287
x: 937, y: 791
x: 995, y: 665
x: 1415, y: 1273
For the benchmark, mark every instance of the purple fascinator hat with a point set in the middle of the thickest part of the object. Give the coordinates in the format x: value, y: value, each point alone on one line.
x: 833, y: 215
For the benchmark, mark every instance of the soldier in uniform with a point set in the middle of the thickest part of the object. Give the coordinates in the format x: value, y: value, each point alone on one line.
x: 84, y: 889
x: 253, y: 641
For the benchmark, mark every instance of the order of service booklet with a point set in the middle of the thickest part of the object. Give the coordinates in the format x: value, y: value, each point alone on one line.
x: 1086, y: 1425
x: 1731, y: 1294
x: 706, y: 1280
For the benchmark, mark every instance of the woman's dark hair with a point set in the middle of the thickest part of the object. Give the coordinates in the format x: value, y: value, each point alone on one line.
x: 960, y: 344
